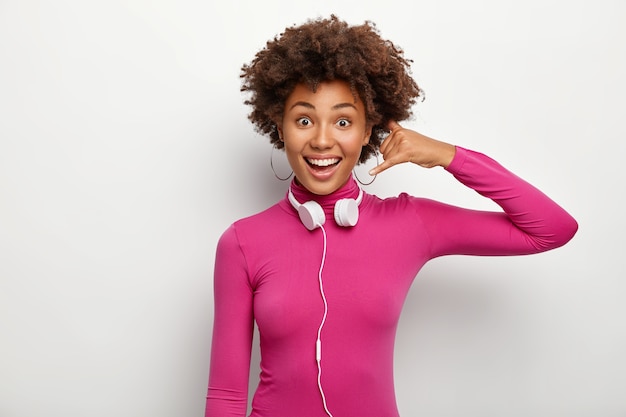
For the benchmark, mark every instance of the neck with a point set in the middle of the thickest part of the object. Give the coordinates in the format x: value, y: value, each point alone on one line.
x: 350, y: 189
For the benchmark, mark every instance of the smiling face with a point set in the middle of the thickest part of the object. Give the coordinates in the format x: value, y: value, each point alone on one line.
x: 323, y: 133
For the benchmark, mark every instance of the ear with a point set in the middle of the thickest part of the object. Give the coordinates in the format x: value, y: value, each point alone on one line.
x: 368, y: 134
x: 279, y: 129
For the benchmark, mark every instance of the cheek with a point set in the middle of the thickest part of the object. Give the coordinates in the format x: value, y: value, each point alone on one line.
x: 291, y: 145
x: 356, y: 142
x: 292, y: 151
x: 293, y: 136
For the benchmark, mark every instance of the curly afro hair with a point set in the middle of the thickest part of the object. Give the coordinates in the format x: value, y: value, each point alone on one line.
x: 329, y: 49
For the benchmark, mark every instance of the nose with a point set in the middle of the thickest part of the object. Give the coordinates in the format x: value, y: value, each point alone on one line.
x: 322, y: 138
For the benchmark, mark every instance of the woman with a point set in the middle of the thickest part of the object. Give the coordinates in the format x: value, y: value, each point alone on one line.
x: 325, y: 271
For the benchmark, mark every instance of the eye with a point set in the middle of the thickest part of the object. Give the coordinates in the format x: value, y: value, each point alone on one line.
x: 343, y: 122
x: 303, y: 121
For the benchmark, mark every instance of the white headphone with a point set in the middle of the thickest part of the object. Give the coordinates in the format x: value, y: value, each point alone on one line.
x: 346, y: 213
x: 312, y: 215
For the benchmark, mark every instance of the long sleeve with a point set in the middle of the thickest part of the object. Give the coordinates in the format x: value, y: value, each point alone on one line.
x: 267, y: 271
x: 530, y: 222
x: 227, y: 394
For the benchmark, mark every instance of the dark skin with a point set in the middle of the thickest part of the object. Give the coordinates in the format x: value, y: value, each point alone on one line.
x: 405, y: 145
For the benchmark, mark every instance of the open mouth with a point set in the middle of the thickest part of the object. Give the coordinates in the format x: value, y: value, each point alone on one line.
x: 322, y: 165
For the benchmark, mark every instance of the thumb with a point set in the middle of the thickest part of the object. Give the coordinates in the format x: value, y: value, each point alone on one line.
x: 393, y: 125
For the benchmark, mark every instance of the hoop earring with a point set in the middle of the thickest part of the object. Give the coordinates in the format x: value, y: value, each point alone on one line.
x: 274, y: 171
x: 377, y: 163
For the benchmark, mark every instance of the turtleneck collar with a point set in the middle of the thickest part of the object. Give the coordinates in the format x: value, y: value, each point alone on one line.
x: 349, y: 190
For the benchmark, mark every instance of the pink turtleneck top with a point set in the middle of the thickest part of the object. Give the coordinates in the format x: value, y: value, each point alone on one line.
x: 266, y: 270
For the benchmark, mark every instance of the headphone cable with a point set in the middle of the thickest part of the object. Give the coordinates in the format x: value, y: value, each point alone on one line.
x: 318, y: 342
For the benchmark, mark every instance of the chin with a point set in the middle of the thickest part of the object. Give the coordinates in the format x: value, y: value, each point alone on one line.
x: 323, y: 188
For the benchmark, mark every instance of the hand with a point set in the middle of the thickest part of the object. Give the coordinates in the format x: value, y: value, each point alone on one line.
x: 405, y: 145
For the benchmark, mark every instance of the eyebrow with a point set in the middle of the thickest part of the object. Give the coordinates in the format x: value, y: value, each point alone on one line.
x: 310, y: 106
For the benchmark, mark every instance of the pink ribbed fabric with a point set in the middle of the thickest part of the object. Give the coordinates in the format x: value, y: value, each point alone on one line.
x: 267, y: 267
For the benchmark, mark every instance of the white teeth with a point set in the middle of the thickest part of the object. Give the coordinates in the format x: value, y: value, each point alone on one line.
x: 323, y: 162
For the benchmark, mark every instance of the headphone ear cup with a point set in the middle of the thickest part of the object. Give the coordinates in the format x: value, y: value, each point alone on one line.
x: 311, y: 215
x: 346, y: 212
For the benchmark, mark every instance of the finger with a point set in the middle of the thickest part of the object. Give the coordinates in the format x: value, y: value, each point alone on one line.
x: 380, y: 167
x: 387, y: 144
x: 393, y: 125
x: 388, y: 161
x: 392, y: 144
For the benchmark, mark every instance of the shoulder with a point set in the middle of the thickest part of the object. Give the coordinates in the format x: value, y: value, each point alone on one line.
x: 405, y: 208
x: 261, y: 224
x: 402, y: 201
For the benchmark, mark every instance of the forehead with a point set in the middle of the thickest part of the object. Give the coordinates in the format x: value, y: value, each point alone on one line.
x: 327, y: 94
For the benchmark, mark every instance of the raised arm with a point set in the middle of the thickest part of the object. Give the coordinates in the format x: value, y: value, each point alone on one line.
x: 530, y: 222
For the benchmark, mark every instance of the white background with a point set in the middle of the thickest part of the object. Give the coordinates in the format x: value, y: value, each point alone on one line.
x: 125, y: 152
